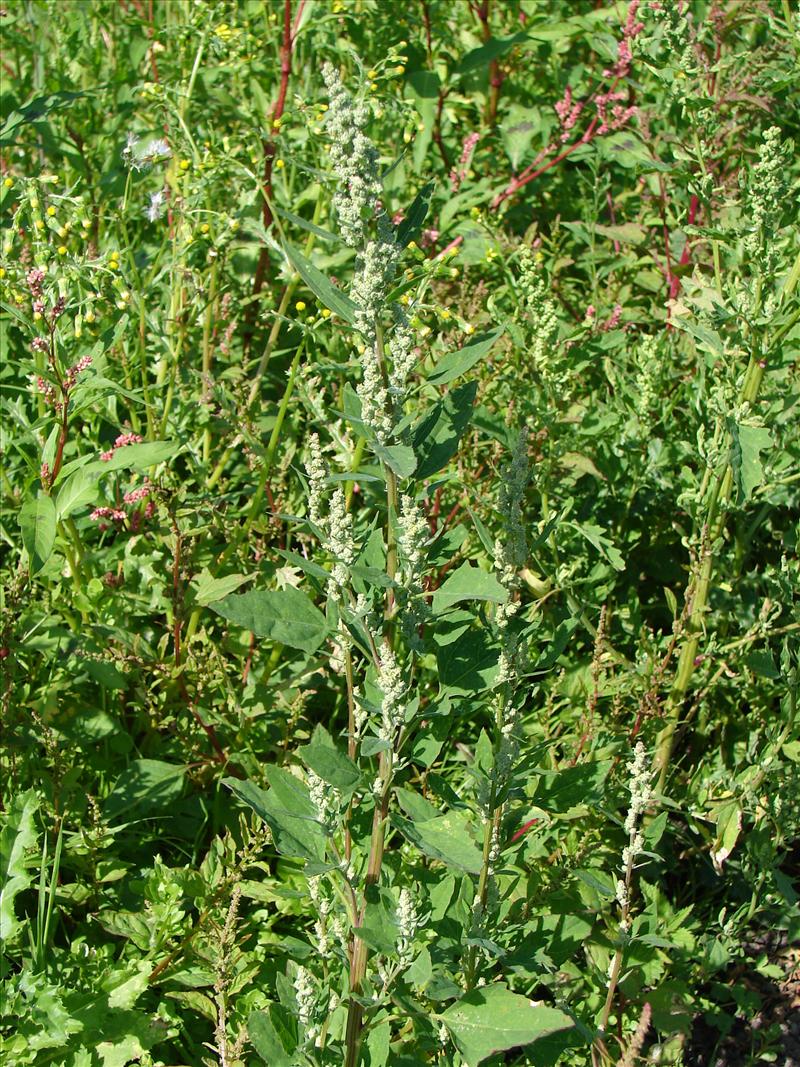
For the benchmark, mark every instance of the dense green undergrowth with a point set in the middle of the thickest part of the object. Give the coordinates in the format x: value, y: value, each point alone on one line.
x: 399, y: 539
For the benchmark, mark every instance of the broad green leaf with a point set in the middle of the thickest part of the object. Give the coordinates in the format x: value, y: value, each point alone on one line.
x: 437, y: 435
x: 333, y: 299
x: 147, y: 786
x: 331, y: 765
x: 273, y: 1034
x: 454, y: 364
x: 286, y: 615
x: 37, y: 520
x: 493, y: 1019
x: 468, y: 583
x: 288, y: 811
x: 207, y: 589
x: 137, y: 457
x: 729, y: 826
x: 467, y: 664
x: 399, y: 458
x: 748, y: 442
x: 18, y: 839
x: 35, y: 111
x: 79, y: 489
x: 447, y: 838
x: 491, y: 50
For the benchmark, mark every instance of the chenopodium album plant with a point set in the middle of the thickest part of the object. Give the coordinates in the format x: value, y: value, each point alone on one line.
x: 378, y: 855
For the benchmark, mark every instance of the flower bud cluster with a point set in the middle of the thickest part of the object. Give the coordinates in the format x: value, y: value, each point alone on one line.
x: 392, y: 687
x: 541, y: 310
x: 408, y: 922
x: 766, y: 190
x: 327, y: 801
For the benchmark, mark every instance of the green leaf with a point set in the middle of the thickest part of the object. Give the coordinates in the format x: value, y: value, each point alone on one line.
x: 467, y: 664
x: 468, y: 583
x: 447, y: 838
x: 286, y: 615
x: 273, y: 1035
x: 320, y: 286
x: 288, y: 811
x: 595, y: 536
x: 331, y: 765
x: 437, y: 435
x: 147, y: 786
x: 18, y: 839
x: 486, y: 53
x: 79, y: 489
x: 454, y: 364
x: 37, y: 521
x: 630, y: 233
x: 493, y: 1019
x: 399, y: 458
x: 411, y: 225
x: 748, y: 442
x: 207, y: 589
x: 137, y: 457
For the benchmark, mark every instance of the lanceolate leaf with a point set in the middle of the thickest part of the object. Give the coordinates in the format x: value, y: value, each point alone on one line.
x: 37, y: 520
x: 437, y: 436
x: 493, y: 1019
x: 454, y: 364
x: 320, y: 286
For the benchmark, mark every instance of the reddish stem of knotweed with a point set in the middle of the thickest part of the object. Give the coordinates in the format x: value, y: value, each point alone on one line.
x: 290, y: 28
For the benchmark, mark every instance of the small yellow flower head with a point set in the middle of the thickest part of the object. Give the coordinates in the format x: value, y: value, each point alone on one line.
x: 113, y: 264
x: 234, y: 225
x: 405, y: 299
x: 86, y: 224
x: 407, y: 137
x: 469, y: 328
x: 491, y: 255
x: 8, y: 182
x: 453, y: 272
x: 37, y: 316
x: 276, y: 124
x: 279, y: 164
x: 373, y: 87
x: 2, y: 272
x: 89, y: 317
x: 51, y: 211
x: 445, y: 314
x: 300, y: 305
x: 323, y: 107
x: 63, y: 231
x: 205, y: 228
x: 372, y: 75
x: 62, y: 250
x: 400, y: 69
x: 39, y: 224
x: 184, y: 164
x: 326, y: 313
x: 317, y: 130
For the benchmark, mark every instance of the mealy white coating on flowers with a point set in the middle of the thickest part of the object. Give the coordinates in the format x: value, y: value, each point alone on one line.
x: 340, y: 541
x: 322, y: 905
x: 639, y: 786
x: 306, y: 996
x: 645, y: 390
x: 392, y: 687
x: 541, y: 310
x: 353, y: 157
x: 374, y: 396
x: 413, y: 534
x: 401, y: 347
x: 766, y: 189
x: 316, y: 473
x: 408, y: 922
x: 326, y: 800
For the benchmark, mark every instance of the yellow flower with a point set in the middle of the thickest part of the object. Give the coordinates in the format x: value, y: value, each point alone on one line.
x: 400, y: 69
x: 279, y: 164
x: 89, y: 317
x: 8, y: 183
x: 372, y: 74
x: 326, y: 313
x: 39, y: 224
x: 469, y: 328
x: 184, y: 164
x: 51, y: 211
x: 445, y: 314
x: 37, y: 315
x: 205, y: 228
x: 62, y: 250
x: 276, y: 124
x: 300, y: 305
x: 2, y: 272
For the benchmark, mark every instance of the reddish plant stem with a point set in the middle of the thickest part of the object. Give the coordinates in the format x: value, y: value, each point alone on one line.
x: 290, y: 29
